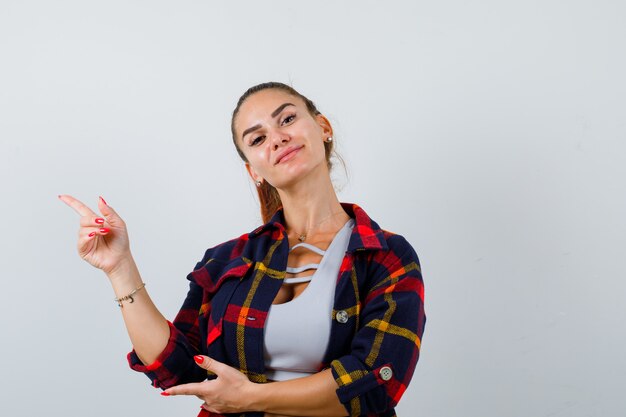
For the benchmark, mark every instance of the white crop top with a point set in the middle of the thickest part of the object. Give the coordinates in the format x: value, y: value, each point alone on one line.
x: 297, y: 332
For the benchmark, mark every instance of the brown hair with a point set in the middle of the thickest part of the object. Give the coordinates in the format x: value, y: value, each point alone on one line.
x: 268, y: 195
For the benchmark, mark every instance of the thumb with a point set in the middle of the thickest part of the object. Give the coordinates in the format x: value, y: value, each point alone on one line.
x: 210, y: 364
x: 109, y: 214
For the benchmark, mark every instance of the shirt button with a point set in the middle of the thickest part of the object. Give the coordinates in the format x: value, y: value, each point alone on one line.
x: 385, y: 373
x: 342, y: 316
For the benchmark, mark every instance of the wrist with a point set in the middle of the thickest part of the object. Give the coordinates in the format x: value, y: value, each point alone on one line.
x: 257, y: 397
x: 124, y: 274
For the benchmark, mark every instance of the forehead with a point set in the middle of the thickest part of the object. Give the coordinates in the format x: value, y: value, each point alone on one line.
x: 259, y: 106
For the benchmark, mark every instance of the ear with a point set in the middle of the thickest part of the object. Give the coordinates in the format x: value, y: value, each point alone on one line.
x: 255, y: 177
x: 327, y: 129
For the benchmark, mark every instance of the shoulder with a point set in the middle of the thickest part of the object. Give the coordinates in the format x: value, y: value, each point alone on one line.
x: 225, y: 251
x: 221, y: 262
x: 398, y: 245
x: 381, y: 244
x: 386, y: 254
x: 397, y: 258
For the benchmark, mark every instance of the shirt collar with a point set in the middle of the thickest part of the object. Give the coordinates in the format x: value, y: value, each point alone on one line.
x: 366, y: 234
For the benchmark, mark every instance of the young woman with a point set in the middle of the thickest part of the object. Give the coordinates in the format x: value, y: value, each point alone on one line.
x: 318, y: 312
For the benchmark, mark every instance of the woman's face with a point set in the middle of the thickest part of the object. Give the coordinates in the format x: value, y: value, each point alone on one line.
x: 281, y: 140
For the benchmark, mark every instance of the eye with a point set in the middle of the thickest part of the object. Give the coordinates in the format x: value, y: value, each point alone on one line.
x: 257, y: 140
x: 288, y: 119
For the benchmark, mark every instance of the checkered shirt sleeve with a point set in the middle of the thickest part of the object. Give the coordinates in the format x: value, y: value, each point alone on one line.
x: 175, y: 364
x: 386, y: 346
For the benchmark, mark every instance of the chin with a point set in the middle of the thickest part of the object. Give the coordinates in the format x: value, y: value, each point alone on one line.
x: 296, y: 175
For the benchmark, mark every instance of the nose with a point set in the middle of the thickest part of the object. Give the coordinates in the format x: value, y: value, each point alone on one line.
x: 279, y: 139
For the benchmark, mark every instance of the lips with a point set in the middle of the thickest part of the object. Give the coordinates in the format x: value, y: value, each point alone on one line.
x: 286, y: 153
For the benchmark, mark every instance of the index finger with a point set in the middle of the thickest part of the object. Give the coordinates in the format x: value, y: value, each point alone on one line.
x: 77, y: 205
x: 192, y: 388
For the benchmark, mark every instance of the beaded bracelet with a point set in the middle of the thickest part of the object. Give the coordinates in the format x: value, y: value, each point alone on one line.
x: 129, y: 296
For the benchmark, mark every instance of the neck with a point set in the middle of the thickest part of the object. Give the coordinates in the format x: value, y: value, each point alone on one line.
x: 312, y: 206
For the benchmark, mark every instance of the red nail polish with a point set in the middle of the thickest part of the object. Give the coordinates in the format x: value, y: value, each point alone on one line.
x: 103, y: 200
x: 100, y: 220
x: 165, y: 394
x: 92, y: 234
x: 198, y: 359
x: 104, y: 230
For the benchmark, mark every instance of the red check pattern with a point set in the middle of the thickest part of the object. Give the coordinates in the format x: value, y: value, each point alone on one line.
x: 379, y: 288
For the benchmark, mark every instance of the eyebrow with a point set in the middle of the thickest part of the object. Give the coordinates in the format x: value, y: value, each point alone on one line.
x: 274, y: 114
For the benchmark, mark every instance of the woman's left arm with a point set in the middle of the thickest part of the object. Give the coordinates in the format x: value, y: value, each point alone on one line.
x: 308, y: 396
x: 232, y: 392
x: 384, y: 351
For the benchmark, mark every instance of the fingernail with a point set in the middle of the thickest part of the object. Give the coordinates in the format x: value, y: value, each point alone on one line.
x: 99, y: 220
x: 165, y: 394
x: 198, y: 359
x: 92, y: 234
x: 104, y: 230
x: 103, y: 200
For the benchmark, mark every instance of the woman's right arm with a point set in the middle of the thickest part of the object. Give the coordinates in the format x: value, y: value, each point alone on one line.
x: 148, y: 330
x: 103, y: 242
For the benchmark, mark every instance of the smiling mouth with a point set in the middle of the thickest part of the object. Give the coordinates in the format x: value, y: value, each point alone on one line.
x: 288, y: 155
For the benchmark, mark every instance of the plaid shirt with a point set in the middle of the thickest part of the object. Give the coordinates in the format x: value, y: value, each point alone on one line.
x: 377, y: 318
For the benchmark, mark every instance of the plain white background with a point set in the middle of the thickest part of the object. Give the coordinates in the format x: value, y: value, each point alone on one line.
x: 490, y: 134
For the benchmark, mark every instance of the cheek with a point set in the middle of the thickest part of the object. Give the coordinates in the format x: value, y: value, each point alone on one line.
x: 258, y: 158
